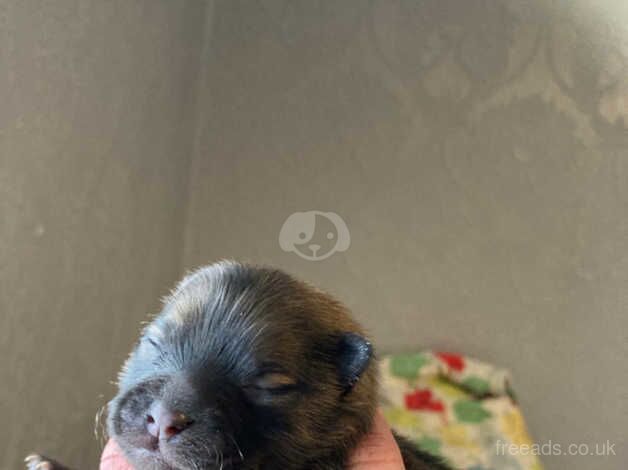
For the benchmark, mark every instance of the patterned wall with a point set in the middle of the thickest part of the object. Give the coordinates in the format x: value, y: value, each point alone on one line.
x: 477, y: 151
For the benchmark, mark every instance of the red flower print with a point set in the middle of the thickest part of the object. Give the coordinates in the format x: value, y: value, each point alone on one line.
x: 421, y: 399
x: 455, y: 361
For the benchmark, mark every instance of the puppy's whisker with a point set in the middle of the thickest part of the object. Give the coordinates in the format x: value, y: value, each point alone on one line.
x: 237, y: 446
x: 100, y: 430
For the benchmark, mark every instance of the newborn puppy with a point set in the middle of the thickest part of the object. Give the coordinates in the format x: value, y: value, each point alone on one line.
x: 247, y: 368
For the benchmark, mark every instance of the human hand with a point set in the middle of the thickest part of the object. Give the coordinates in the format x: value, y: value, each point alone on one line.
x: 112, y: 458
x: 378, y: 450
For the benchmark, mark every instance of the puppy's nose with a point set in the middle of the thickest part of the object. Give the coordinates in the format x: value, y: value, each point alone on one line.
x: 161, y: 422
x: 314, y: 247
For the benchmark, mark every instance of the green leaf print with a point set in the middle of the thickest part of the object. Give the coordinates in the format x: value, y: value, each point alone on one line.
x: 469, y: 411
x: 476, y: 385
x: 430, y: 445
x: 408, y: 365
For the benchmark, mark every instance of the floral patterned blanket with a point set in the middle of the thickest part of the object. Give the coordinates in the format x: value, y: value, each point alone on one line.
x: 458, y: 408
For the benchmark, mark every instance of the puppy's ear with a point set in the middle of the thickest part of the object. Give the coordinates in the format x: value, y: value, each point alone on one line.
x: 353, y: 355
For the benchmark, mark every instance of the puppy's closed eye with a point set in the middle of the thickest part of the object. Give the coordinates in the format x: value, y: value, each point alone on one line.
x: 271, y: 387
x: 274, y: 382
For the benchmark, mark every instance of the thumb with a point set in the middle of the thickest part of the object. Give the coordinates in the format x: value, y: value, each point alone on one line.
x: 378, y: 450
x: 112, y: 458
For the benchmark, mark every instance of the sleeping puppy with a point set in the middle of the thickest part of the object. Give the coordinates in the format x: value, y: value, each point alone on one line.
x: 247, y: 368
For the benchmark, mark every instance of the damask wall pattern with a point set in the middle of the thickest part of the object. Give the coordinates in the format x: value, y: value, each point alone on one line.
x: 477, y: 152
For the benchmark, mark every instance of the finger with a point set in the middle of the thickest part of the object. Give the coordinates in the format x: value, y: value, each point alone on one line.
x: 378, y: 450
x: 112, y: 458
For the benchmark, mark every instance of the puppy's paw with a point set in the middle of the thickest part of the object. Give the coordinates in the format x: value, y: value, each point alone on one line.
x: 38, y: 462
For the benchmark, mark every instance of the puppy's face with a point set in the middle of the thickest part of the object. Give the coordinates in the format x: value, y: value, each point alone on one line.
x: 244, y: 368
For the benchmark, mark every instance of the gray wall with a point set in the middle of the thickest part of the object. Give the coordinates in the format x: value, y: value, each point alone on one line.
x: 477, y: 151
x: 95, y: 108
